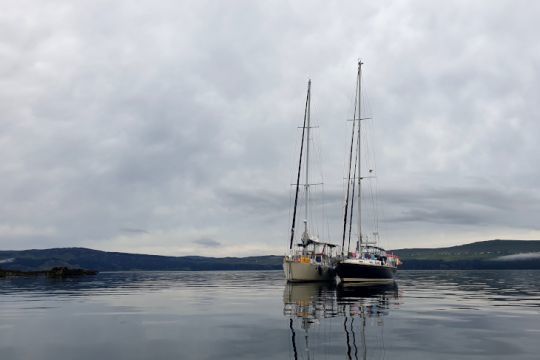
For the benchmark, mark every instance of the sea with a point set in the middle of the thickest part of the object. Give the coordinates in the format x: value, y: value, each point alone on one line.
x: 256, y: 315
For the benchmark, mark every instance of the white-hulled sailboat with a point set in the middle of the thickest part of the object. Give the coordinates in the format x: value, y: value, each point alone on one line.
x: 368, y: 263
x: 310, y: 259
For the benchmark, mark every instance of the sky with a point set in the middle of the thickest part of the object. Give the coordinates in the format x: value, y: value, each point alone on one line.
x: 171, y: 127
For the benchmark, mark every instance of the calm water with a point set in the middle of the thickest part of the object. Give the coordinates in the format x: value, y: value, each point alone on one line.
x: 254, y: 315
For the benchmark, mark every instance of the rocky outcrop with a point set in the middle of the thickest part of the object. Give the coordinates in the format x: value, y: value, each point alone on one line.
x: 67, y: 272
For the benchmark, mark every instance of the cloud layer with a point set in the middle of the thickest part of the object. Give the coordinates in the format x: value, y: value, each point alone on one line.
x: 172, y: 128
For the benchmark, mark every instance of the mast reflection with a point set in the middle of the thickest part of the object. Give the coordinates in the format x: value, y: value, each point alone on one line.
x: 358, y: 308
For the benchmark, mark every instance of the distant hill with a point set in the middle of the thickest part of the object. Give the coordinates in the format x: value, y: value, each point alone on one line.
x: 492, y: 254
x: 115, y: 261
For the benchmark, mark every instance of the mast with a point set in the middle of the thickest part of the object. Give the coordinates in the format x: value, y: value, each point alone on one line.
x: 359, y: 145
x: 305, y: 236
x: 352, y: 205
x: 299, y: 166
x: 349, y: 175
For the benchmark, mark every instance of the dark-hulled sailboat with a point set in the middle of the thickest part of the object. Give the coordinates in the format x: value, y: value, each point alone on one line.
x: 368, y: 263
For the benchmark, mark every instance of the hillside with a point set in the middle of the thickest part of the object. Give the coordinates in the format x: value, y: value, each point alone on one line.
x: 116, y: 261
x: 492, y: 254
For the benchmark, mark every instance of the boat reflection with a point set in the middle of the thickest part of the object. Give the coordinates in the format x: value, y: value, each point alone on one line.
x: 347, y: 309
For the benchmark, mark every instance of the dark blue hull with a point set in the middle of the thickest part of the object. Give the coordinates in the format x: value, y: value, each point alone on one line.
x: 364, y: 272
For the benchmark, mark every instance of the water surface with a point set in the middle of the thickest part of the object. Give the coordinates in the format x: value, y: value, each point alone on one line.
x: 255, y: 315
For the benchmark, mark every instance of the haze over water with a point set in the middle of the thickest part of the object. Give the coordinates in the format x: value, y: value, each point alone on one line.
x: 255, y: 315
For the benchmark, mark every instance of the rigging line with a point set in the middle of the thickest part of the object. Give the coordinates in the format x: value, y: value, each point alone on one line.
x: 291, y: 180
x: 317, y: 225
x: 379, y: 207
x: 300, y: 165
x: 373, y: 207
x: 315, y: 201
x: 290, y: 203
x: 324, y: 222
x: 377, y: 203
x: 369, y: 162
x: 369, y: 158
x: 359, y: 149
x: 367, y: 102
x: 374, y: 211
x: 356, y: 100
x: 352, y: 203
x: 373, y: 185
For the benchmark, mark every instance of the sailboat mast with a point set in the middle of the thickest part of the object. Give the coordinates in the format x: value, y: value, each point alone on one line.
x: 359, y: 144
x: 306, y: 185
x: 349, y: 177
x: 293, y: 226
x: 352, y: 204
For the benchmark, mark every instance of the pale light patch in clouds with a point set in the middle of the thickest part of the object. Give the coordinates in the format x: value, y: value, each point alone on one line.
x: 180, y: 119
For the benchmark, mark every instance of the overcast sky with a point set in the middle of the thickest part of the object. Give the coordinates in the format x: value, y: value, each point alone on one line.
x: 170, y: 127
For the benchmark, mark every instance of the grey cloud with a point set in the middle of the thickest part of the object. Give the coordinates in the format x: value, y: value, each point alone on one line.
x: 256, y: 200
x: 456, y: 216
x: 184, y: 116
x: 208, y: 242
x: 134, y: 230
x: 464, y: 206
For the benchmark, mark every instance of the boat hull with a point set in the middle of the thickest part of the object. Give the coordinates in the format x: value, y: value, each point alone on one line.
x: 303, y: 272
x: 367, y: 273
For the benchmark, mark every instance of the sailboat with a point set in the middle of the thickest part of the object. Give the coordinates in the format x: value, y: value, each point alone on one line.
x: 310, y: 259
x: 368, y: 263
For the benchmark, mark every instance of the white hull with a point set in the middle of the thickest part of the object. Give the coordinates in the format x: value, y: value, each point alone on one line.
x: 298, y: 272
